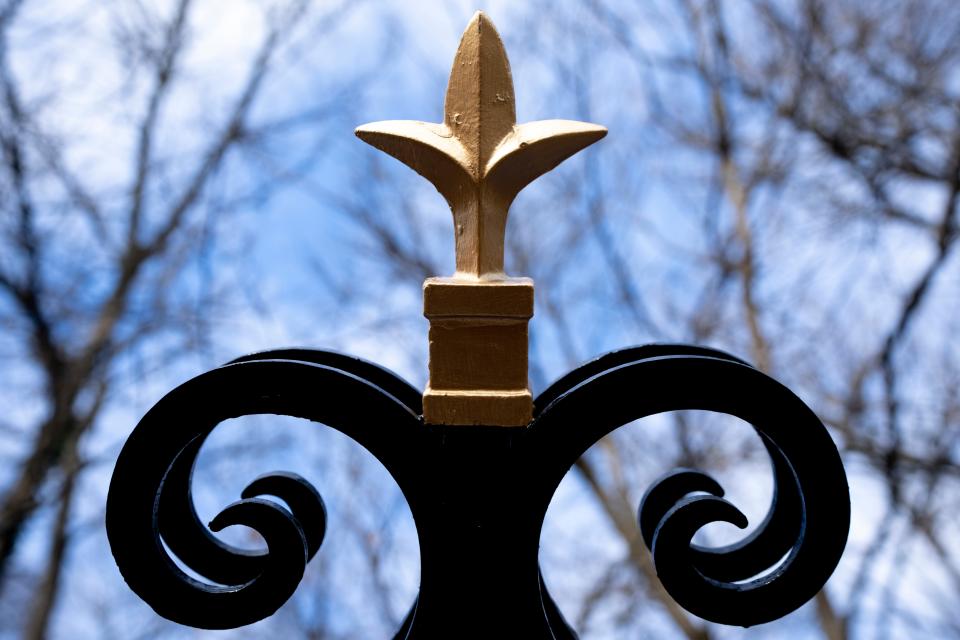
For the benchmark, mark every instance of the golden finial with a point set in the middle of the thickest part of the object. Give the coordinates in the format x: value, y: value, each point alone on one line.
x: 479, y: 159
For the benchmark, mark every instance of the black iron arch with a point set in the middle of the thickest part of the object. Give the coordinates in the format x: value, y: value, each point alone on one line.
x: 478, y: 495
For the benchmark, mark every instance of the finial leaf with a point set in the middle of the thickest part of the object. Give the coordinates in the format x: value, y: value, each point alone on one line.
x: 427, y: 148
x: 479, y: 108
x: 479, y: 158
x: 536, y: 148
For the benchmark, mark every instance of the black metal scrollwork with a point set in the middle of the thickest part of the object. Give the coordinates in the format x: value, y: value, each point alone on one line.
x: 806, y: 526
x: 478, y: 495
x: 150, y: 494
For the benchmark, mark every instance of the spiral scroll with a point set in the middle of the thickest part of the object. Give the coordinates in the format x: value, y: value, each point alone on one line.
x: 150, y: 502
x: 151, y: 519
x: 790, y: 555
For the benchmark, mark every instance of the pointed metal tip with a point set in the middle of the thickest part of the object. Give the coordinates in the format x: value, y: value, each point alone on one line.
x: 371, y: 130
x: 481, y: 25
x: 594, y: 131
x: 364, y: 130
x: 479, y: 21
x: 375, y: 133
x: 590, y: 132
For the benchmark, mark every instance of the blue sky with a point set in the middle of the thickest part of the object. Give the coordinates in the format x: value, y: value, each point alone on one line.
x: 268, y: 254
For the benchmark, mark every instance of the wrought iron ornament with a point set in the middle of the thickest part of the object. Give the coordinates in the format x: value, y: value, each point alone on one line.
x: 478, y: 492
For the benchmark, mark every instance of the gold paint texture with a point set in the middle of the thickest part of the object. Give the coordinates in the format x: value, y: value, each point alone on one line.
x: 479, y: 159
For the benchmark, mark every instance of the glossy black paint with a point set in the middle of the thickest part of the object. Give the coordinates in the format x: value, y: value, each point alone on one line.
x: 478, y: 494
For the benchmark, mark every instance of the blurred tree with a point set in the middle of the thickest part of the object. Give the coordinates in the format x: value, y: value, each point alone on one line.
x: 103, y: 247
x: 781, y: 180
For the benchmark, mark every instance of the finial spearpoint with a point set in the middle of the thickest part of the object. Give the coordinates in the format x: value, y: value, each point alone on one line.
x: 479, y: 159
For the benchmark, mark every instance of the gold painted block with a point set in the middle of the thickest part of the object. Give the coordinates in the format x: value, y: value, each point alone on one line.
x: 492, y: 408
x: 478, y: 351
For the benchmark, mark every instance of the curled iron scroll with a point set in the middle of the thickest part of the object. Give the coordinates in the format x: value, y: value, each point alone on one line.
x: 790, y: 555
x: 766, y: 575
x: 150, y: 501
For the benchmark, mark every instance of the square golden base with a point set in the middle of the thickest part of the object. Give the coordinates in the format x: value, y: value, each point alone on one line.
x: 478, y: 351
x: 490, y: 408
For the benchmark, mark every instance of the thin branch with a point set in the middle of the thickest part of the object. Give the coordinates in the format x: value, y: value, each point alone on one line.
x: 163, y: 74
x: 621, y: 516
